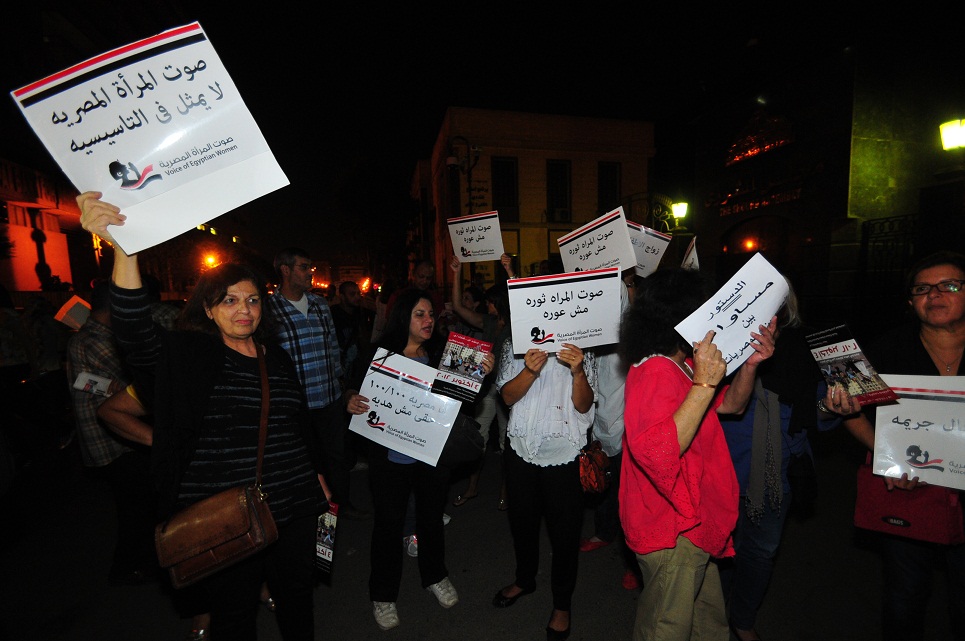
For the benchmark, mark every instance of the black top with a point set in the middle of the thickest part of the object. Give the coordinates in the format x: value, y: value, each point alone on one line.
x: 900, y: 351
x: 227, y: 446
x: 187, y: 368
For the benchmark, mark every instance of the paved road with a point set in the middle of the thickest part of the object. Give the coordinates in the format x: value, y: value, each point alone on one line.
x: 56, y: 541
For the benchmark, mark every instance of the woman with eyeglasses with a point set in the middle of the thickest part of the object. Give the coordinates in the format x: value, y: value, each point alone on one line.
x: 931, y: 345
x: 207, y: 402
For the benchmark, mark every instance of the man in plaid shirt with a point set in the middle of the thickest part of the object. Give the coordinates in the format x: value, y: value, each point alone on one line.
x: 122, y: 463
x: 305, y: 329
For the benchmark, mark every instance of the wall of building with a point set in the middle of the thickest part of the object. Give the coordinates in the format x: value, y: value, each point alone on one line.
x: 532, y: 139
x: 20, y: 272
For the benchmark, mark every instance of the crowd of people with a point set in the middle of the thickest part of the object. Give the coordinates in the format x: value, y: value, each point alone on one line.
x: 705, y: 466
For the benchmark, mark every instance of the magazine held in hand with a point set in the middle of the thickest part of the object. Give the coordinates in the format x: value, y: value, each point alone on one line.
x: 843, y: 363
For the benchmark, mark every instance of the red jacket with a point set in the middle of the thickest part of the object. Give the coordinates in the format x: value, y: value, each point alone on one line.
x: 664, y: 494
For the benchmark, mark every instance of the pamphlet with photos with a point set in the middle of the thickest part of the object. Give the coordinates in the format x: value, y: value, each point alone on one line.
x: 325, y: 542
x: 460, y: 370
x: 841, y: 361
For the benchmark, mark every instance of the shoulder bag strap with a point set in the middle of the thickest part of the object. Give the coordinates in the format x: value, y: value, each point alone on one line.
x: 263, y: 427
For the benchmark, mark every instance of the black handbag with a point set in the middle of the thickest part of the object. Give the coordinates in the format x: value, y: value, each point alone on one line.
x: 465, y: 443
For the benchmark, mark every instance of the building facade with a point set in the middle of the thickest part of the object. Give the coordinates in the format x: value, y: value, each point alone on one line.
x: 545, y: 174
x: 40, y: 219
x: 835, y: 172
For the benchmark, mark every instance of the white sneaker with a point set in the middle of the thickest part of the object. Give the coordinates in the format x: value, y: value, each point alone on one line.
x: 411, y: 544
x: 386, y: 615
x: 446, y: 518
x: 444, y: 592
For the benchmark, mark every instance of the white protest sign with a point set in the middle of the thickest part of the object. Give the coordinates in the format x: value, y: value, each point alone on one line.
x: 477, y: 237
x: 159, y: 127
x: 404, y: 415
x: 690, y: 256
x: 923, y: 434
x: 576, y: 308
x: 648, y: 247
x: 740, y: 307
x: 604, y: 242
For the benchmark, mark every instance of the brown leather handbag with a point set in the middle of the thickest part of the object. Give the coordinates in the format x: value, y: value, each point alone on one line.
x: 222, y: 529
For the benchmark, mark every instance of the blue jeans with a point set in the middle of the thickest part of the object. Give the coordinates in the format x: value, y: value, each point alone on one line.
x: 746, y: 576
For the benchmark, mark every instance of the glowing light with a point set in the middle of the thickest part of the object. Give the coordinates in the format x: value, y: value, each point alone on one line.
x: 750, y: 244
x: 953, y: 134
x: 679, y: 211
x: 211, y: 260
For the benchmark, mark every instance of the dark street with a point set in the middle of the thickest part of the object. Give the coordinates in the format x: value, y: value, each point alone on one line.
x: 58, y: 537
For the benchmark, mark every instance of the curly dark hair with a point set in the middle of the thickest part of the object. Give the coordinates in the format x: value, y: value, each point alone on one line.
x: 395, y: 337
x: 662, y: 300
x: 211, y: 290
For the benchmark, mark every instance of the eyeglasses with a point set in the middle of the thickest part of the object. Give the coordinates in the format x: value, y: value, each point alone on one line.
x: 947, y: 286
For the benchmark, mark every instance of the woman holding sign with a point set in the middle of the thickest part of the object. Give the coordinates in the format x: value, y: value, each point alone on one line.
x: 207, y: 405
x: 678, y: 491
x: 410, y: 331
x: 930, y: 344
x: 551, y: 409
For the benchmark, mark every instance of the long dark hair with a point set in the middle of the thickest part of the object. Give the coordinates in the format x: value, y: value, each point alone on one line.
x: 395, y: 337
x: 662, y: 300
x: 212, y: 289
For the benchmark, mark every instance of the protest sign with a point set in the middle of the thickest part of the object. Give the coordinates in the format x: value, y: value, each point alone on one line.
x: 748, y: 300
x: 576, y: 308
x: 477, y: 237
x: 159, y: 127
x: 648, y: 247
x: 923, y: 434
x: 604, y: 242
x: 73, y: 313
x: 404, y: 414
x: 690, y: 256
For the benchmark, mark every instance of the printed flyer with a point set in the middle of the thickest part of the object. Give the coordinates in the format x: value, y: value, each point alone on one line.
x: 842, y: 362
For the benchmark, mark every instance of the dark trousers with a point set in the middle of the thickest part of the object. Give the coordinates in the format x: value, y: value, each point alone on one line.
x: 606, y: 515
x: 392, y: 483
x: 330, y: 425
x: 553, y: 493
x: 908, y: 568
x: 288, y: 565
x: 136, y: 506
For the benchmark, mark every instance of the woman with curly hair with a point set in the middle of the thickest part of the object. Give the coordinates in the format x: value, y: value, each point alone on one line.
x: 678, y: 492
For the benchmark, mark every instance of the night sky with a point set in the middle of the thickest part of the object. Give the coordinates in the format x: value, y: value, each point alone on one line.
x: 349, y: 99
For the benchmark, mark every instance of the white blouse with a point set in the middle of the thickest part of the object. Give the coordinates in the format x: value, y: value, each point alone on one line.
x: 544, y: 427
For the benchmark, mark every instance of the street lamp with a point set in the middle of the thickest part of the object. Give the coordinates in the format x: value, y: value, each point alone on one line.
x: 465, y: 164
x: 953, y: 134
x: 666, y: 215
